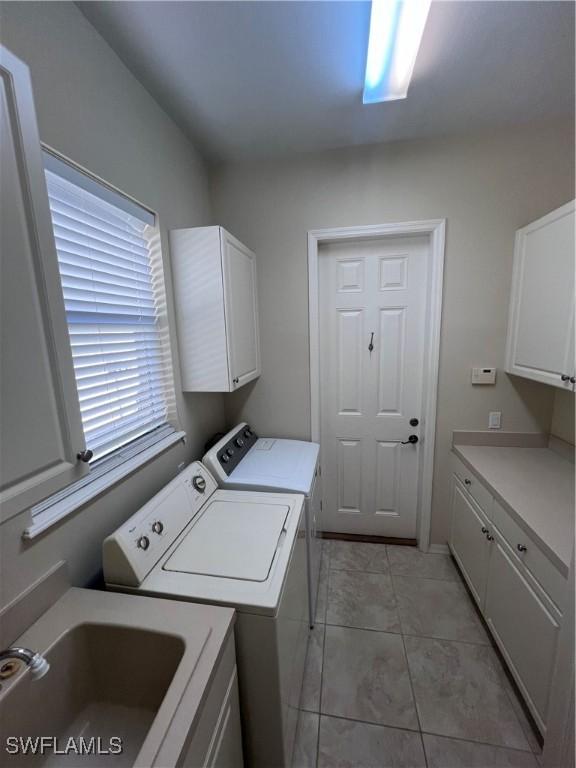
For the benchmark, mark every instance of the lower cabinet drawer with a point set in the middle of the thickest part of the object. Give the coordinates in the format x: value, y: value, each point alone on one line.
x: 531, y: 556
x: 524, y: 628
x: 479, y: 492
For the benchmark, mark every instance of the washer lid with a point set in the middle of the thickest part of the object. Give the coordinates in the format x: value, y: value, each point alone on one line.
x: 233, y: 540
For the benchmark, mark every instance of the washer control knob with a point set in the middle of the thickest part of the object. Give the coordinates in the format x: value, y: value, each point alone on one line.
x: 224, y: 458
x: 158, y: 527
x: 248, y: 432
x: 199, y: 483
x: 230, y: 451
x: 239, y: 442
x: 143, y: 542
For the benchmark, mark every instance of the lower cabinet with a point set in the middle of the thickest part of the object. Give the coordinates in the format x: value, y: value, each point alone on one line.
x: 523, y: 626
x: 523, y: 619
x: 469, y: 542
x: 216, y: 741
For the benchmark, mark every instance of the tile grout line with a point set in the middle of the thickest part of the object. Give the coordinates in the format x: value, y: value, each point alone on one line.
x: 411, y: 684
x: 407, y: 664
x: 482, y: 743
x: 408, y: 634
x: 420, y: 732
x: 369, y: 722
x: 322, y: 663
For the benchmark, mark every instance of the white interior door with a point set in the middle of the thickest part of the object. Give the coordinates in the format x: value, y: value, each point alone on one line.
x: 372, y: 293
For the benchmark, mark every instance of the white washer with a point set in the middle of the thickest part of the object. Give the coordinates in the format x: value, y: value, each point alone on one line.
x: 241, y: 549
x: 240, y: 460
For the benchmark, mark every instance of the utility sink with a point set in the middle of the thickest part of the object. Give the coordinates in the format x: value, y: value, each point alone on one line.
x: 119, y: 667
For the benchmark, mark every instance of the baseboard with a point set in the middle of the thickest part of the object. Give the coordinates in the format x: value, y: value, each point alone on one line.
x: 438, y: 549
x: 365, y: 538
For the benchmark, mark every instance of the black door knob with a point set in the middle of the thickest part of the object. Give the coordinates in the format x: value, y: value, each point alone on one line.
x: 413, y: 439
x: 414, y: 422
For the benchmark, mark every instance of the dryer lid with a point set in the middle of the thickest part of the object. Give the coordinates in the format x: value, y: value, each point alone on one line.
x: 232, y: 540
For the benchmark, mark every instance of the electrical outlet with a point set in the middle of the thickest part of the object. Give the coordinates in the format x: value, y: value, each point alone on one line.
x: 494, y: 420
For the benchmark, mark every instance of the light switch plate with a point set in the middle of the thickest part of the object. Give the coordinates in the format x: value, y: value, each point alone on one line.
x: 494, y: 419
x: 483, y: 375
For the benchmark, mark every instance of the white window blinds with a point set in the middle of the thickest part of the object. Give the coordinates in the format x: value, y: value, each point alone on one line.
x: 112, y: 280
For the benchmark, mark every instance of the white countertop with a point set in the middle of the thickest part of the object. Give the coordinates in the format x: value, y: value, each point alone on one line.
x: 536, y: 485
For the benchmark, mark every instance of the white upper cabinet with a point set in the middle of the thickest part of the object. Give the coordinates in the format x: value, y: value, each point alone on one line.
x: 215, y: 292
x: 41, y: 428
x: 540, y: 342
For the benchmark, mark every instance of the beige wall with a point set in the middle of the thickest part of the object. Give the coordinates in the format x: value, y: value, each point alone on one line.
x: 562, y: 424
x: 91, y: 109
x: 485, y: 186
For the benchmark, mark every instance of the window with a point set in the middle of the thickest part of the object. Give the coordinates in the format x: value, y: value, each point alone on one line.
x: 110, y: 266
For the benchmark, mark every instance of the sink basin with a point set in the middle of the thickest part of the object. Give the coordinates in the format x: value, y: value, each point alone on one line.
x: 105, y: 682
x: 125, y: 686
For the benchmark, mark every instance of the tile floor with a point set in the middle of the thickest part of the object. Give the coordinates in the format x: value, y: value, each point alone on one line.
x: 400, y: 672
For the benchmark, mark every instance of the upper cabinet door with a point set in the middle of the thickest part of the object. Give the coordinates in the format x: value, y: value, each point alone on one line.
x: 540, y: 342
x: 41, y: 428
x: 214, y: 280
x: 239, y: 266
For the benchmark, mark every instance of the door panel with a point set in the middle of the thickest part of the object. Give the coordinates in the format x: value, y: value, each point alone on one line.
x: 350, y: 334
x: 39, y: 413
x: 387, y: 476
x: 350, y: 476
x: 393, y: 273
x: 350, y: 276
x: 391, y: 360
x: 241, y: 311
x: 372, y: 304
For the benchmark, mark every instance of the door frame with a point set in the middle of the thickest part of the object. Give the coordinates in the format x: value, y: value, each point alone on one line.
x: 435, y: 229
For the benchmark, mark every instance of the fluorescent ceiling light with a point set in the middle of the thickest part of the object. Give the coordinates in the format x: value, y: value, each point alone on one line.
x: 396, y: 28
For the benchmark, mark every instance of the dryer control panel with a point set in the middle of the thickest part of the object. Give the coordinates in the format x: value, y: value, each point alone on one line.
x: 131, y: 552
x: 230, y: 450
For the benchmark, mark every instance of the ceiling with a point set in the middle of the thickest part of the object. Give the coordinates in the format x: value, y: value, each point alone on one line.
x: 247, y: 79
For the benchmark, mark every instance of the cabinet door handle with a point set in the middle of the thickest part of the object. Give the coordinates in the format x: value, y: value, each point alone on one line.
x: 564, y: 377
x: 572, y: 379
x: 489, y: 537
x: 467, y: 482
x: 521, y: 547
x: 85, y: 455
x: 484, y: 529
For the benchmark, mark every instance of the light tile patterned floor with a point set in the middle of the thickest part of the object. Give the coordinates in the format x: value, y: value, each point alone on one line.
x: 400, y: 672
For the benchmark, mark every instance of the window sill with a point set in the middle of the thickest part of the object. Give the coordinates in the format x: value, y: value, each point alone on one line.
x: 67, y: 506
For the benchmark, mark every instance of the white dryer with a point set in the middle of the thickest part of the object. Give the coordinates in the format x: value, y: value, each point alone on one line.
x: 241, y: 549
x: 241, y: 460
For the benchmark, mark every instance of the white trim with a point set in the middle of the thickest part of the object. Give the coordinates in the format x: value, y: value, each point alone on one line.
x: 438, y: 549
x: 66, y: 506
x: 435, y: 229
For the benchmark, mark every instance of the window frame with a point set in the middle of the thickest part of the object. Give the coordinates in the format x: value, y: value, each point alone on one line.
x: 127, y: 459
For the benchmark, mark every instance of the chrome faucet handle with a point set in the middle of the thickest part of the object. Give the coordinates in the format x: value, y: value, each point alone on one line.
x: 36, y: 663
